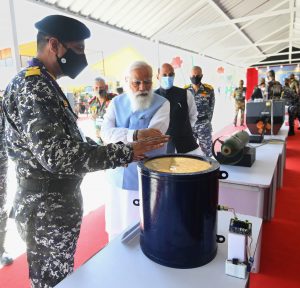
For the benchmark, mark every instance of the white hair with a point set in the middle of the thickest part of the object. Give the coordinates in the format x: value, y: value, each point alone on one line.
x: 138, y: 65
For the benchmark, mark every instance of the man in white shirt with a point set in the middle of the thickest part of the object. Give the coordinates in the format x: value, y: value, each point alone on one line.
x: 183, y: 113
x: 135, y: 115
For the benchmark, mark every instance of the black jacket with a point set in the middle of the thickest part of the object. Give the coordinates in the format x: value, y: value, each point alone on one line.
x: 180, y: 128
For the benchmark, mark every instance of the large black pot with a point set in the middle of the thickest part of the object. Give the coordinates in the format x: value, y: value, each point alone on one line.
x: 179, y: 214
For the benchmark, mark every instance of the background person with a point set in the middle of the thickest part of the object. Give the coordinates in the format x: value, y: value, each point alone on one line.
x: 259, y: 91
x: 274, y: 87
x: 183, y: 113
x: 291, y: 100
x: 239, y: 98
x: 120, y: 90
x: 205, y: 101
x: 98, y: 105
x: 294, y: 85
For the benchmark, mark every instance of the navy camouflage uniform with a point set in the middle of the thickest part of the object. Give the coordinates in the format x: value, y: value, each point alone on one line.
x: 294, y: 85
x: 274, y: 90
x: 3, y: 183
x: 51, y: 158
x: 205, y: 102
x: 291, y: 100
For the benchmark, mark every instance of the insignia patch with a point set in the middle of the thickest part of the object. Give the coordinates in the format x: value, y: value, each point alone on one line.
x: 33, y: 71
x: 208, y: 86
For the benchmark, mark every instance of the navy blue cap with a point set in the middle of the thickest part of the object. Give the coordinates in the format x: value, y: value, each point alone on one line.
x: 64, y: 28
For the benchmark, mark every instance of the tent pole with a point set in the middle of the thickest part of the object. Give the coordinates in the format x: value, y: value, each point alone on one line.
x: 15, y: 48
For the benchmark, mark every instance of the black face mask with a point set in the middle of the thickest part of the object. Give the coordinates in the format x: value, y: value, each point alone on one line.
x: 102, y: 92
x: 72, y: 63
x: 196, y: 79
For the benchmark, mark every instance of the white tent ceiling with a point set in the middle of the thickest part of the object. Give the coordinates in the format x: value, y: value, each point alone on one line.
x: 240, y: 32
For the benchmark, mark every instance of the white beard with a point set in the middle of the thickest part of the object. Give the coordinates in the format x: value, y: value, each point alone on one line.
x: 140, y: 100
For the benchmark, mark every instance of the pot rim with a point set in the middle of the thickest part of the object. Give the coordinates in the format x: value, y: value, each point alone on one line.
x: 214, y: 165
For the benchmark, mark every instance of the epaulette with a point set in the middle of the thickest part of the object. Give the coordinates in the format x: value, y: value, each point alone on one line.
x: 33, y: 71
x: 65, y: 102
x: 208, y: 86
x: 187, y: 86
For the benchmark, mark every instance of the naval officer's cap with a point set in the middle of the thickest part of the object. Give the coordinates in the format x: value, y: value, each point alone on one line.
x: 63, y: 28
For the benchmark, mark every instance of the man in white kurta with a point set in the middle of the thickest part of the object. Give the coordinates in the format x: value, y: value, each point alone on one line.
x: 135, y: 115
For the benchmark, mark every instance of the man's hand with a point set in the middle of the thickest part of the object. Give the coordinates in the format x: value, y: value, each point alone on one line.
x: 148, y: 133
x: 148, y: 144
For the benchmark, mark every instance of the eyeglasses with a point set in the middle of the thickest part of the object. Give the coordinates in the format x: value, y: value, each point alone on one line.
x: 168, y: 74
x: 137, y: 83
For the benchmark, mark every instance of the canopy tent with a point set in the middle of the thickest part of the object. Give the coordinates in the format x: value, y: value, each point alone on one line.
x: 26, y: 49
x: 114, y: 65
x: 239, y: 32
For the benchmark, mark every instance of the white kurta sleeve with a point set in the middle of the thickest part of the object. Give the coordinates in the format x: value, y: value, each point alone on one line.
x: 112, y: 134
x: 109, y: 132
x: 193, y: 113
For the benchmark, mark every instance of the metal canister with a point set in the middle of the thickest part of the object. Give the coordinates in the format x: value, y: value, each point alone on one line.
x: 178, y: 205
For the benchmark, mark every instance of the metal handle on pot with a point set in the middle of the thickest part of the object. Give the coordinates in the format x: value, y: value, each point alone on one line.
x: 220, y: 238
x: 223, y: 174
x: 136, y: 202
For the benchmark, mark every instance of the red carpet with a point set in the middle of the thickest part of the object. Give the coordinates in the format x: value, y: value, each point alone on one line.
x: 92, y: 238
x: 281, y: 236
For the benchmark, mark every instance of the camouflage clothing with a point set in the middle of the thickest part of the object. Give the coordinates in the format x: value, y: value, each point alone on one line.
x: 3, y: 183
x: 274, y: 90
x: 294, y: 85
x: 205, y: 102
x: 239, y: 97
x: 98, y: 111
x: 291, y: 100
x: 51, y: 159
x: 288, y: 95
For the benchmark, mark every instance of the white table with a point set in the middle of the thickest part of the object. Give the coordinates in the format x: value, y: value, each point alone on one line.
x: 124, y: 265
x: 252, y: 190
x: 281, y: 136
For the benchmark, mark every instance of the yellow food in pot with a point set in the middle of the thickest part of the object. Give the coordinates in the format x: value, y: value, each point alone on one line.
x: 177, y: 165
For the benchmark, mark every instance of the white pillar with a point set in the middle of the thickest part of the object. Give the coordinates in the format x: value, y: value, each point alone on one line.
x: 157, y: 56
x: 15, y: 47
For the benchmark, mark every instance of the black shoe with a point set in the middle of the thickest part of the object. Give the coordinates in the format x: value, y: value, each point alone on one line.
x: 291, y: 133
x: 6, y: 260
